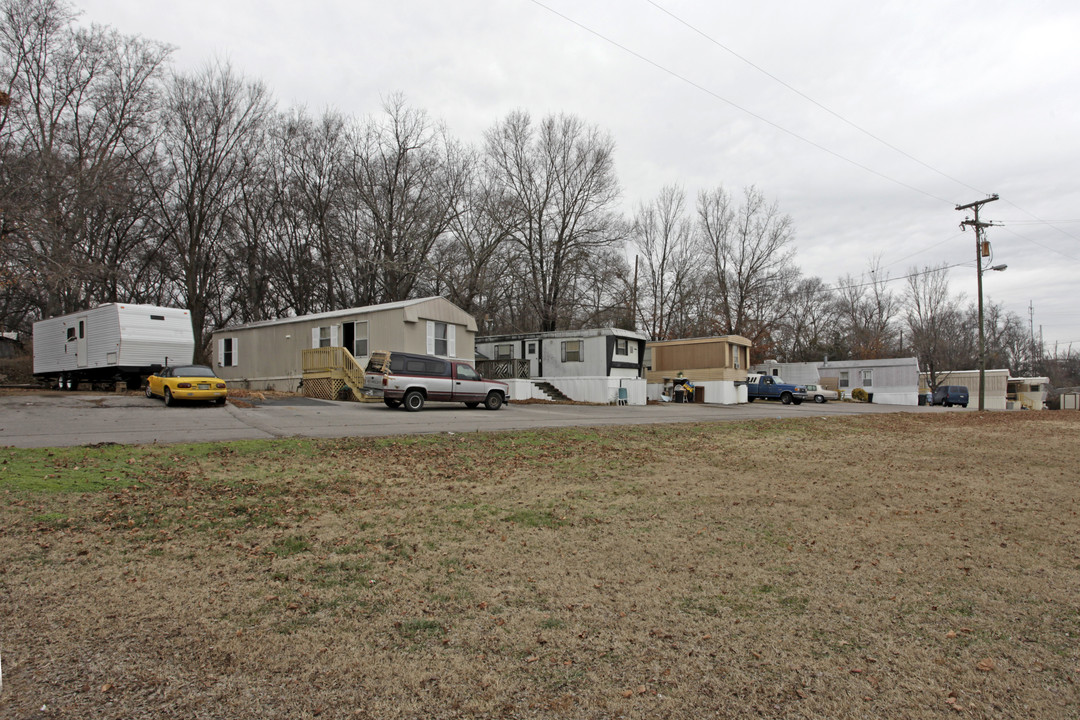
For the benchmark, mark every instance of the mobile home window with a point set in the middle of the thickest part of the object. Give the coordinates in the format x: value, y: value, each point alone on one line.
x: 844, y: 379
x: 360, y: 344
x: 622, y: 346
x: 228, y: 352
x: 571, y: 351
x: 324, y: 337
x: 158, y: 317
x: 868, y: 378
x: 736, y: 354
x: 504, y: 352
x: 441, y: 347
x: 532, y: 348
x: 70, y: 334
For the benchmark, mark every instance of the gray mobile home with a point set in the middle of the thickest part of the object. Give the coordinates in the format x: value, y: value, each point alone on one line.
x: 581, y: 365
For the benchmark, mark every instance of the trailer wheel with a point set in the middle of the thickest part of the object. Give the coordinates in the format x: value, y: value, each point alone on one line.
x: 168, y: 398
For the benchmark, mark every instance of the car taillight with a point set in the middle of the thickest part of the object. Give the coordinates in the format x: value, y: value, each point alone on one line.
x: 221, y: 386
x: 183, y: 385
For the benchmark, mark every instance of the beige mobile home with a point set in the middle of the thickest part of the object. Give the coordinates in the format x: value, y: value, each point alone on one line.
x: 713, y: 364
x: 997, y: 382
x: 271, y: 355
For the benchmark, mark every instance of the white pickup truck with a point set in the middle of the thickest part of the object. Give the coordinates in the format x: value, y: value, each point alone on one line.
x: 411, y: 380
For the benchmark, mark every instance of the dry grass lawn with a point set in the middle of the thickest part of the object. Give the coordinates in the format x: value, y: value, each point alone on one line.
x: 891, y: 566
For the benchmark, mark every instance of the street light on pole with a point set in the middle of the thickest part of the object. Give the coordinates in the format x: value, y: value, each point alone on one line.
x: 982, y: 249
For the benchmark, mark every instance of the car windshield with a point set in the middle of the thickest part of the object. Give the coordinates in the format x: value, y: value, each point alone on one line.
x: 193, y: 371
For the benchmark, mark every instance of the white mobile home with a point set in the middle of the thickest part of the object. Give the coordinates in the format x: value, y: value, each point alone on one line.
x: 277, y: 354
x: 1027, y: 393
x: 579, y: 365
x: 888, y: 381
x: 118, y: 342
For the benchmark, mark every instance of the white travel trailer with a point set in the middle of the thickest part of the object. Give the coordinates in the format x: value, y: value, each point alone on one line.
x: 111, y: 343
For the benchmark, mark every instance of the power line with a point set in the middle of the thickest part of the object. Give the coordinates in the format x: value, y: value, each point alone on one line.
x: 738, y: 107
x: 894, y: 279
x: 809, y: 99
x: 919, y: 252
x: 1042, y: 245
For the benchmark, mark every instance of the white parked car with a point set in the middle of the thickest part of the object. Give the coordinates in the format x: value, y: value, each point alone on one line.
x: 819, y: 394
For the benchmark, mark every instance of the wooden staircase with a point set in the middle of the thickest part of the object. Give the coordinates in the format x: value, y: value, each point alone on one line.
x: 331, y: 372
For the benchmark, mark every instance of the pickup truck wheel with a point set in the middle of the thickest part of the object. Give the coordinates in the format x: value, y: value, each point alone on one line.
x: 493, y: 401
x: 391, y: 403
x: 819, y: 399
x: 413, y: 400
x: 786, y: 398
x: 472, y: 405
x: 148, y: 393
x: 168, y: 398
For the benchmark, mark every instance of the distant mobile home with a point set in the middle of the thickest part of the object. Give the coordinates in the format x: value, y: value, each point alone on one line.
x: 891, y: 381
x: 117, y: 342
x: 269, y: 355
x: 997, y: 384
x: 1027, y: 393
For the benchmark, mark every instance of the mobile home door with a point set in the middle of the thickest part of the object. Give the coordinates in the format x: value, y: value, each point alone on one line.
x: 80, y: 342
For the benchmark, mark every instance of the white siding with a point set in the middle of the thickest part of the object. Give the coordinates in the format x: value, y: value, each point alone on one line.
x: 116, y: 335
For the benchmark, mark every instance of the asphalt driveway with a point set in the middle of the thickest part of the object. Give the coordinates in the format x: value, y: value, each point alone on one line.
x: 53, y: 419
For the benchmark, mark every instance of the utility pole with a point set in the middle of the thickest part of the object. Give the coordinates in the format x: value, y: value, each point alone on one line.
x: 979, y: 252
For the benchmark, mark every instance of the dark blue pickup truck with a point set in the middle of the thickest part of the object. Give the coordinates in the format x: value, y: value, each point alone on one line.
x: 771, y: 387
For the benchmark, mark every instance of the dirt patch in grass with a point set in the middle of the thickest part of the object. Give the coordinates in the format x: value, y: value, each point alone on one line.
x: 900, y: 566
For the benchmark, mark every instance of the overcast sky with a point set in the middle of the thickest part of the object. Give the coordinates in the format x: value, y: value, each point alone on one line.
x: 867, y: 122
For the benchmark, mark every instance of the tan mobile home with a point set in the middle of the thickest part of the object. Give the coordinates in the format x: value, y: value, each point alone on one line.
x: 270, y: 355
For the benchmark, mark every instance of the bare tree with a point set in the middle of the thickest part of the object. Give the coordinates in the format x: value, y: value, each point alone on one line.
x: 559, y: 182
x: 307, y: 176
x: 469, y: 266
x: 750, y: 262
x: 75, y: 122
x: 407, y: 175
x: 935, y: 323
x: 668, y: 250
x: 209, y: 122
x: 868, y: 310
x: 810, y: 329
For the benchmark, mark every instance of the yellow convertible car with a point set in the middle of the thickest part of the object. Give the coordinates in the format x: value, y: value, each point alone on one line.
x: 186, y: 382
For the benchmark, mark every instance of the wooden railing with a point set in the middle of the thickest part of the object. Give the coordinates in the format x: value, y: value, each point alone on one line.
x: 504, y: 369
x: 335, y: 360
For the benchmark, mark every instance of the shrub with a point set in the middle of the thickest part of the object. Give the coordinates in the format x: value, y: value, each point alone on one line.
x: 859, y: 394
